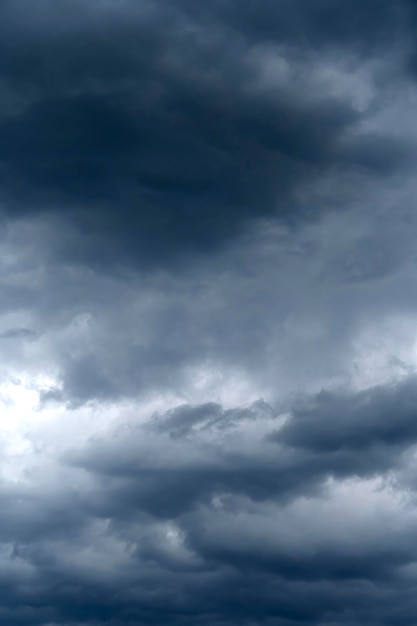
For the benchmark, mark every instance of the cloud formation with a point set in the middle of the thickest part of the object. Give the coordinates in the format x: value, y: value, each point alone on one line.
x: 208, y: 348
x: 233, y: 518
x: 160, y: 131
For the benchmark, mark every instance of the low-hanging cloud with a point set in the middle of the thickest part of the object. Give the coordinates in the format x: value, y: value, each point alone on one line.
x: 161, y: 131
x: 208, y: 344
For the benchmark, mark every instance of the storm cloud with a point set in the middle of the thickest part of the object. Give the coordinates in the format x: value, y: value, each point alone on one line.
x: 208, y: 345
x: 158, y: 130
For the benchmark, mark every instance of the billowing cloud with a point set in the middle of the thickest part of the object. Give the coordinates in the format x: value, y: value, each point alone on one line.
x: 231, y: 517
x: 160, y: 131
x: 208, y: 344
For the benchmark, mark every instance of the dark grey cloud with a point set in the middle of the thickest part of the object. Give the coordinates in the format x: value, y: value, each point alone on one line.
x: 18, y: 333
x: 208, y: 306
x: 121, y: 542
x: 382, y: 416
x: 337, y: 434
x: 363, y: 28
x: 152, y: 128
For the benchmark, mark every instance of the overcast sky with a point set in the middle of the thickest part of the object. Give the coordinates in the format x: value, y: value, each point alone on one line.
x: 208, y: 313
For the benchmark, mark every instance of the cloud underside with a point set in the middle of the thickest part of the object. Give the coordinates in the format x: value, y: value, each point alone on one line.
x: 208, y: 348
x: 160, y: 130
x: 204, y: 515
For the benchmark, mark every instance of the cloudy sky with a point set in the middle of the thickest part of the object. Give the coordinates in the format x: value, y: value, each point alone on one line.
x: 208, y: 313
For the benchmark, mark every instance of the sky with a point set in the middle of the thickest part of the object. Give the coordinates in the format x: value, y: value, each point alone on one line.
x: 208, y: 313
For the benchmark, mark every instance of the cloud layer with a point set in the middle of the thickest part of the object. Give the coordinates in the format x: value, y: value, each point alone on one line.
x: 208, y: 346
x: 159, y: 130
